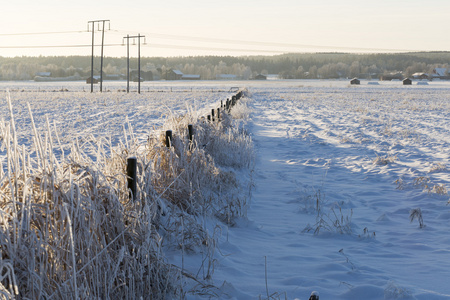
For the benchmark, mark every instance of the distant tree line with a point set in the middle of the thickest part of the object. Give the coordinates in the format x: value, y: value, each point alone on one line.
x: 287, y: 66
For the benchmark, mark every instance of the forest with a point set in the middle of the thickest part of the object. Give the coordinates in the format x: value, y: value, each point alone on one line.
x: 286, y: 66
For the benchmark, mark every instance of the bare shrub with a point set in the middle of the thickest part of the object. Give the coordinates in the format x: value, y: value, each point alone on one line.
x: 393, y: 291
x: 336, y: 220
x: 414, y: 214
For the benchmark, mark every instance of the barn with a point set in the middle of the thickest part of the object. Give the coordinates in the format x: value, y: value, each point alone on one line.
x: 355, y: 81
x: 174, y: 74
x: 96, y: 80
x: 407, y: 81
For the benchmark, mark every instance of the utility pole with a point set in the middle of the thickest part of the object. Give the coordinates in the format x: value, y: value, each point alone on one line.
x: 128, y: 63
x: 92, y: 54
x: 128, y: 37
x: 139, y: 63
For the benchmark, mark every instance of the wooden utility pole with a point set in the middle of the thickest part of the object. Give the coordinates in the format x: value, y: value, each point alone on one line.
x: 128, y: 37
x: 92, y: 53
x: 128, y: 63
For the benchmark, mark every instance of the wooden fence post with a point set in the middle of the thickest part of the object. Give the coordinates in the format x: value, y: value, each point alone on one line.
x: 191, y: 136
x: 132, y: 176
x: 168, y: 138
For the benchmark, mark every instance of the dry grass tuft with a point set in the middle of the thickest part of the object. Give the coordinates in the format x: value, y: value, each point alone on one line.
x: 384, y: 160
x: 438, y: 167
x: 425, y: 183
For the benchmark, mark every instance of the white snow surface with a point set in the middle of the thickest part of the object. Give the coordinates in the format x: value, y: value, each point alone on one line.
x: 325, y: 141
x: 367, y: 155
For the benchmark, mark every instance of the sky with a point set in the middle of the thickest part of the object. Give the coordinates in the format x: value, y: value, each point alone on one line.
x: 231, y: 27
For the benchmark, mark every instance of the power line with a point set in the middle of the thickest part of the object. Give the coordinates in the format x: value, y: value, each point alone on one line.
x: 55, y: 46
x: 168, y: 46
x: 269, y: 44
x: 297, y: 47
x: 40, y: 33
x: 163, y: 46
x: 212, y: 40
x: 171, y: 46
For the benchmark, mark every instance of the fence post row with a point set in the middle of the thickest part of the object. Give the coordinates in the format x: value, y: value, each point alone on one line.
x: 228, y: 105
x: 132, y: 161
x: 132, y: 176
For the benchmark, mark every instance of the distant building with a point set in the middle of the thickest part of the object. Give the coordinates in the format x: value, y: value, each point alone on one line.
x: 190, y: 77
x: 174, y: 75
x: 355, y: 81
x: 440, y: 73
x: 145, y: 75
x: 43, y: 74
x: 96, y: 80
x: 261, y: 77
x: 392, y: 76
x: 113, y: 77
x: 420, y: 75
x: 407, y: 81
x: 226, y: 77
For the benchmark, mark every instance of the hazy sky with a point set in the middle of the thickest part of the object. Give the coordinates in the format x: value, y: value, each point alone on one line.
x: 228, y: 27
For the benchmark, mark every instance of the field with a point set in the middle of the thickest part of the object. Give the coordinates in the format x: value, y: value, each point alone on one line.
x: 305, y: 185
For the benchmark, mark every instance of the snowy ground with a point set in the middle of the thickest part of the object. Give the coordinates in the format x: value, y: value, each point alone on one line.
x: 76, y: 113
x: 368, y: 155
x: 339, y: 169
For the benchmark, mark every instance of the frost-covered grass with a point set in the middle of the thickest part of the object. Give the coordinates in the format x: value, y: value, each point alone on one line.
x: 69, y: 228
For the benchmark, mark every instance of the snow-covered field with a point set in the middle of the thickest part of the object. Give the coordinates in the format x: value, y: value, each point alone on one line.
x: 350, y: 182
x: 77, y: 113
x: 366, y: 156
